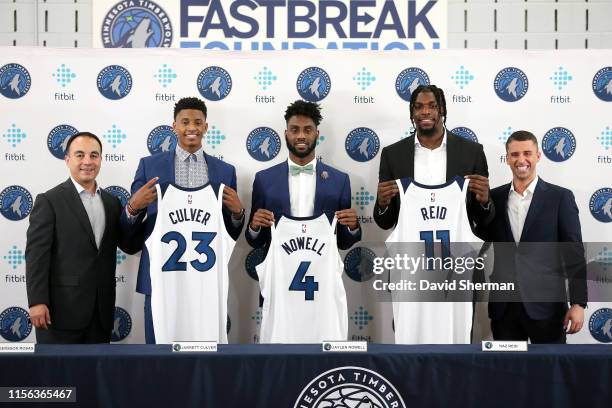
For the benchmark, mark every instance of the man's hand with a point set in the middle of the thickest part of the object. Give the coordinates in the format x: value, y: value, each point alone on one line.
x: 40, y: 317
x: 144, y: 196
x: 231, y: 201
x: 386, y: 191
x: 348, y: 217
x: 479, y: 185
x: 261, y: 218
x: 575, y: 315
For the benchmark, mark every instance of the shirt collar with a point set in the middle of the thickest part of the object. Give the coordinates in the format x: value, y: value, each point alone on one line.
x: 313, y: 162
x: 418, y: 145
x: 529, y: 190
x: 80, y: 188
x: 183, y: 154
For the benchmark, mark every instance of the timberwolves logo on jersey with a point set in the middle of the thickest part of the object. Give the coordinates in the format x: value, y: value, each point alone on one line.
x: 465, y: 133
x: 600, y: 204
x: 263, y: 143
x: 559, y: 144
x: 14, y: 81
x: 58, y: 139
x: 15, y: 324
x: 114, y: 82
x: 122, y: 324
x: 359, y: 263
x: 362, y: 144
x: 408, y: 80
x: 511, y: 84
x: 313, y: 84
x: 214, y: 83
x: 121, y: 193
x: 15, y: 203
x: 602, y: 84
x: 354, y: 387
x: 254, y: 258
x: 161, y: 139
x: 136, y: 25
x: 600, y: 325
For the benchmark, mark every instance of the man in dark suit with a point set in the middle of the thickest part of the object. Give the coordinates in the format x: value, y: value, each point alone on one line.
x: 301, y: 186
x: 432, y: 156
x: 186, y: 166
x: 538, y: 246
x: 71, y: 252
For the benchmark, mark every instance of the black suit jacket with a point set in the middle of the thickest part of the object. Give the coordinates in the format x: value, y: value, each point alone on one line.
x: 462, y: 157
x: 64, y: 268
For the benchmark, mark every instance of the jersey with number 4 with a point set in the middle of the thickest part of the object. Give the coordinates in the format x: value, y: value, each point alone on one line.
x: 189, y: 250
x: 301, y: 282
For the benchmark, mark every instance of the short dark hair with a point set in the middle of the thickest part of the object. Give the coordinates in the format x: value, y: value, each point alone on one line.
x: 303, y: 108
x: 522, y: 136
x: 190, y: 103
x: 82, y: 134
x: 438, y: 95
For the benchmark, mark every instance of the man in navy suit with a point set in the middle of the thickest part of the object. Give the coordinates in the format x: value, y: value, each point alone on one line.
x: 301, y: 186
x: 538, y: 246
x: 186, y: 166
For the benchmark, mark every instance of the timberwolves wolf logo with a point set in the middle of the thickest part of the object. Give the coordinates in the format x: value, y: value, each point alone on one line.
x: 121, y: 193
x: 511, y: 84
x: 600, y: 325
x: 600, y: 205
x: 559, y: 144
x: 161, y: 139
x: 14, y: 81
x: 140, y: 24
x: 114, y: 82
x: 58, y: 139
x: 408, y: 80
x: 15, y: 324
x: 359, y: 263
x: 362, y: 144
x: 263, y: 143
x: 465, y: 133
x: 122, y: 324
x: 353, y: 387
x: 254, y: 258
x: 214, y: 83
x: 602, y: 84
x: 15, y: 203
x: 313, y: 84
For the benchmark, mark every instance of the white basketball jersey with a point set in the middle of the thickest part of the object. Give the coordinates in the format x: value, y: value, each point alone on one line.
x: 189, y: 250
x: 301, y: 282
x: 431, y: 214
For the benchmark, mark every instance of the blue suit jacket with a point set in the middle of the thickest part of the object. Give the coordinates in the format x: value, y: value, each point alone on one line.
x: 162, y: 165
x: 539, y: 269
x: 271, y: 192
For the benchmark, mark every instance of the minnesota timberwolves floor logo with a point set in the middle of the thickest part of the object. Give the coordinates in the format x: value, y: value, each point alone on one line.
x: 511, y: 84
x: 600, y: 204
x: 263, y: 143
x: 15, y: 324
x: 602, y: 84
x: 408, y: 80
x: 254, y: 258
x: 161, y: 139
x: 15, y: 203
x: 136, y: 24
x: 313, y: 84
x: 600, y: 325
x: 15, y: 81
x: 354, y: 387
x: 559, y: 144
x: 359, y: 264
x: 465, y: 133
x: 121, y: 193
x: 58, y: 139
x: 214, y: 83
x: 362, y: 144
x: 122, y: 324
x: 114, y: 82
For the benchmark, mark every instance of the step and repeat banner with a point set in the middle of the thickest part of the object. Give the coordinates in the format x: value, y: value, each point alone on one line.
x: 126, y: 97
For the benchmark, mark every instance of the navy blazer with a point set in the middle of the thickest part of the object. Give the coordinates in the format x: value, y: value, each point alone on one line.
x: 162, y: 165
x: 540, y: 270
x: 271, y: 192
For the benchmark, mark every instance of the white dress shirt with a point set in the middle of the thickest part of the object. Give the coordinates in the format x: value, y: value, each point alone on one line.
x: 430, y: 164
x: 518, y: 206
x: 302, y: 190
x: 94, y: 208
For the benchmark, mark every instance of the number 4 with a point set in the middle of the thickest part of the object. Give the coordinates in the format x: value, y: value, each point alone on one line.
x: 303, y: 283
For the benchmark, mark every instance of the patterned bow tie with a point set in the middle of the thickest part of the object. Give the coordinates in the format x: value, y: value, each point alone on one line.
x: 296, y: 170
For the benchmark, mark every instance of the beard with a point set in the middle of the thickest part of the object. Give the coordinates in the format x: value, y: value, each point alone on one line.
x: 299, y: 154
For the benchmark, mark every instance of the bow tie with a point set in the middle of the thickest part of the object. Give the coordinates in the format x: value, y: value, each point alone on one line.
x: 296, y: 170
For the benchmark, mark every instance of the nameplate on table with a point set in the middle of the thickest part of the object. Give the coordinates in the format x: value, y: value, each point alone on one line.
x: 194, y: 347
x: 345, y: 346
x: 496, y: 345
x: 16, y: 347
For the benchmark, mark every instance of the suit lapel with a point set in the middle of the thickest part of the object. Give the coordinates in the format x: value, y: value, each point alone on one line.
x: 319, y: 187
x: 212, y: 169
x: 537, y: 203
x: 453, y: 156
x: 410, y: 155
x: 171, y: 155
x: 74, y: 202
x: 283, y: 188
x: 503, y: 208
x: 107, y: 202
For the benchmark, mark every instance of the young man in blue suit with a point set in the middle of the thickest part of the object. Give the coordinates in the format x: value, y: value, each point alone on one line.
x: 301, y: 186
x: 538, y: 246
x: 186, y: 166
